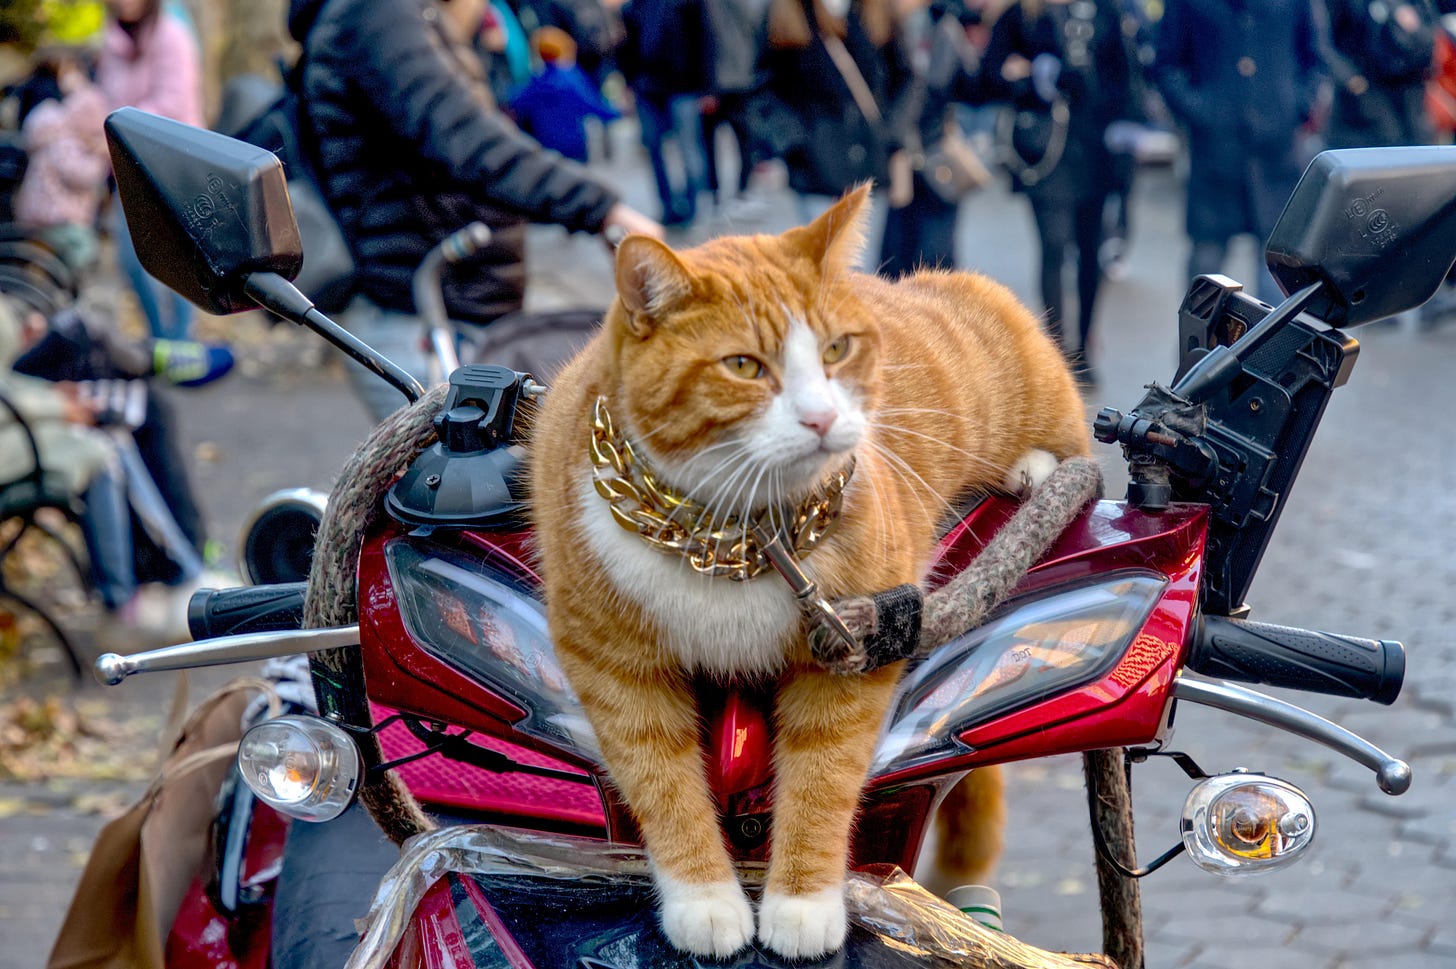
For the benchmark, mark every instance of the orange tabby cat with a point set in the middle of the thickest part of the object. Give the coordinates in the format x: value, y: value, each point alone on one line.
x: 744, y: 372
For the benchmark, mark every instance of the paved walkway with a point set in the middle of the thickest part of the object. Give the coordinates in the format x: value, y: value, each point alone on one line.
x: 1365, y: 547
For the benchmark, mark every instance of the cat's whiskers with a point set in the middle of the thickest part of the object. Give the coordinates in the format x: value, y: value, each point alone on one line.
x: 723, y: 506
x: 911, y: 478
x: 980, y: 461
x: 744, y: 517
x: 938, y: 411
x: 710, y: 503
x: 881, y: 521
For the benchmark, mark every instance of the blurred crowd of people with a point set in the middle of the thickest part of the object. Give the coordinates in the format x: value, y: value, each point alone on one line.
x: 419, y: 116
x: 82, y: 389
x: 1065, y: 95
x: 1068, y: 97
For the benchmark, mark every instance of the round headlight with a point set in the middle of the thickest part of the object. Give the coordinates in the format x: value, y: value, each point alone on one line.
x: 303, y: 766
x: 276, y: 544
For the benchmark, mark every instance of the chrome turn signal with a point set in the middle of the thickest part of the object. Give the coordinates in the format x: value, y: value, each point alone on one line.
x: 305, y: 767
x: 1240, y: 824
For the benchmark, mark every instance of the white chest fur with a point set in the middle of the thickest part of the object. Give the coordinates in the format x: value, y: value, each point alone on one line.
x: 713, y: 625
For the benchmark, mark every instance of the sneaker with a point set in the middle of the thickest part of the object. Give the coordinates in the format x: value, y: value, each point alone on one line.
x: 1112, y: 257
x: 161, y: 610
x: 189, y: 364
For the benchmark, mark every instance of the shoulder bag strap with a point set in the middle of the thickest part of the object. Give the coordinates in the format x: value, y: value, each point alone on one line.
x: 849, y: 70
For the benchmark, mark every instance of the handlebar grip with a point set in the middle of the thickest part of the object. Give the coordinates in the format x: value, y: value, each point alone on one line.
x: 253, y: 609
x: 1301, y: 659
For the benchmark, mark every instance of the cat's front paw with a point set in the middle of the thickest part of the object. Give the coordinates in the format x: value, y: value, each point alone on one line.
x: 707, y: 920
x: 803, y: 926
x: 1027, y: 474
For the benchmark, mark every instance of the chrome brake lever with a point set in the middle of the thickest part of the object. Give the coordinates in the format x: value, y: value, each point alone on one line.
x: 1391, y: 773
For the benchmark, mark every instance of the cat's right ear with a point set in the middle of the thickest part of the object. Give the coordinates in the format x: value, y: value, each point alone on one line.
x: 651, y: 280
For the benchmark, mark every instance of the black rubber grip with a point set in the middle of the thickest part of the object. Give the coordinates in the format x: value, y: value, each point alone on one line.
x: 252, y: 609
x: 1301, y: 659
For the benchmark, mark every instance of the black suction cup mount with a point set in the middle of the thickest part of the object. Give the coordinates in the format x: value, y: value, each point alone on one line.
x: 471, y: 477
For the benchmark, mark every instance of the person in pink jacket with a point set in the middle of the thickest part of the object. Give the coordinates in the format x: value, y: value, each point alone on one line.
x: 65, y: 179
x: 149, y: 59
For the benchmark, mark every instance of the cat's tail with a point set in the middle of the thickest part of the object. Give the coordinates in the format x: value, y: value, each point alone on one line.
x: 968, y: 828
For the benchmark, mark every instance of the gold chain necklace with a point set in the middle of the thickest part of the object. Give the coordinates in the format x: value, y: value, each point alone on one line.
x: 677, y: 525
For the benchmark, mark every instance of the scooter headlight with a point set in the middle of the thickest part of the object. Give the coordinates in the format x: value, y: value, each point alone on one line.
x: 1036, y: 648
x: 1239, y: 824
x: 303, y: 766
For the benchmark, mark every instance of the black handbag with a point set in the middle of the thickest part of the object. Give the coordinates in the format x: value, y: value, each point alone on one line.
x: 842, y: 152
x: 327, y: 274
x: 277, y: 120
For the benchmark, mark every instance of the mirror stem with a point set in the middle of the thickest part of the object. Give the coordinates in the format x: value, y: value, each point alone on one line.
x: 277, y: 295
x: 1222, y: 364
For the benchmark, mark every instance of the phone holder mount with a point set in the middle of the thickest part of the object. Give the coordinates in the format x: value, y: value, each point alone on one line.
x: 470, y: 478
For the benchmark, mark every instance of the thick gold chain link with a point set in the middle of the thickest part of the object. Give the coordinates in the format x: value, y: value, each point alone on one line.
x: 677, y: 525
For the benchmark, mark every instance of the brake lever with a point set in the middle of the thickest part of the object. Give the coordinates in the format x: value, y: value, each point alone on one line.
x: 1392, y: 774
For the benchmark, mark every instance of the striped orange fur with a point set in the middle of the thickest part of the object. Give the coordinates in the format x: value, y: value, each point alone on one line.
x: 746, y: 370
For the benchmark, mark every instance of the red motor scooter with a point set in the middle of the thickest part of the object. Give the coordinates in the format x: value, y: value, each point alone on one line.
x: 449, y: 677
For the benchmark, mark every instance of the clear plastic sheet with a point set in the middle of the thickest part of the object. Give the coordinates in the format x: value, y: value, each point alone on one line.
x: 885, y: 903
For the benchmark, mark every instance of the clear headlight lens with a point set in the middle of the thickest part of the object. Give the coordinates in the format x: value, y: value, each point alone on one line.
x: 1239, y: 824
x: 1043, y: 645
x: 484, y: 623
x: 303, y: 766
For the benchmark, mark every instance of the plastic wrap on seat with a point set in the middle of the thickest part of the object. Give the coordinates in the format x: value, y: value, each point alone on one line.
x: 893, y: 921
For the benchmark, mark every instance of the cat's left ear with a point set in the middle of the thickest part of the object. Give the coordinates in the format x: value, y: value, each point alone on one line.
x: 651, y: 280
x: 836, y: 240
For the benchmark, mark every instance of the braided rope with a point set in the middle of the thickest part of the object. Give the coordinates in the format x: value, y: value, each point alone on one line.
x: 964, y: 602
x: 961, y: 604
x: 330, y: 599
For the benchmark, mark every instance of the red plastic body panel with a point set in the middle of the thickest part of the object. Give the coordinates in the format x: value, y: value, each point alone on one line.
x: 507, y: 796
x: 204, y: 936
x: 1126, y: 706
x: 434, y: 940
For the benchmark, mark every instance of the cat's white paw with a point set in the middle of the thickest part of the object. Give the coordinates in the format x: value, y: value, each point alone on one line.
x: 1027, y: 474
x: 803, y: 926
x: 707, y: 920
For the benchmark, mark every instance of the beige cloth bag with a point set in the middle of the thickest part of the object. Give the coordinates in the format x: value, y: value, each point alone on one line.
x: 144, y: 861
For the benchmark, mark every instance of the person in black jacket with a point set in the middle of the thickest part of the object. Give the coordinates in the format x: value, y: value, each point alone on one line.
x: 409, y: 147
x: 666, y: 56
x: 837, y: 95
x: 1243, y: 76
x: 1066, y: 73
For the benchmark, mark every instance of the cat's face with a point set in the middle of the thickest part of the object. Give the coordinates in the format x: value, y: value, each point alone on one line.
x: 748, y: 364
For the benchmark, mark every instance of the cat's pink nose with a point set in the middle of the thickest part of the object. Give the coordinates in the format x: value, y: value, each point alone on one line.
x: 819, y: 421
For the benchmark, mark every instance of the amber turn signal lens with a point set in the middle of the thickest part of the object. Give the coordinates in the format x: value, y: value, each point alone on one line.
x: 1244, y: 823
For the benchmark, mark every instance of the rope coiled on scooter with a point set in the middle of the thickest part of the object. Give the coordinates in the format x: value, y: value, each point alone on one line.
x: 338, y: 680
x: 961, y: 604
x: 903, y: 622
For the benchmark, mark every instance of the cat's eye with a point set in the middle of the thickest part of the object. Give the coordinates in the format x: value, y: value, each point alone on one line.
x: 837, y: 350
x: 744, y: 366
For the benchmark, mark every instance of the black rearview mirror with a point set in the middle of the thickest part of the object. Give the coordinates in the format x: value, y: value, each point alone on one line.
x: 206, y: 211
x: 1375, y: 226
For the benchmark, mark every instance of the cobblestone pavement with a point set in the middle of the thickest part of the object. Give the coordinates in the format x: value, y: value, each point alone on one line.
x: 1364, y: 547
